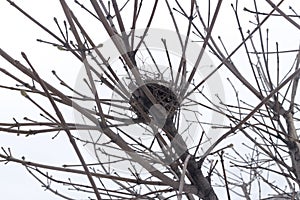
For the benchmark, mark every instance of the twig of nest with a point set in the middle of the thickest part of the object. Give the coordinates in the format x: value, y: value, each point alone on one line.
x: 163, y: 95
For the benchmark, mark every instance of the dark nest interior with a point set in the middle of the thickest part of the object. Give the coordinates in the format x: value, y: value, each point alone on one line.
x: 163, y: 95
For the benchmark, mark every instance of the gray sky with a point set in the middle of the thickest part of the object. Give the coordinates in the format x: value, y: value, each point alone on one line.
x: 19, y: 34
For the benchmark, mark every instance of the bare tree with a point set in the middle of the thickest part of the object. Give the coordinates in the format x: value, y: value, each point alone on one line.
x: 150, y: 106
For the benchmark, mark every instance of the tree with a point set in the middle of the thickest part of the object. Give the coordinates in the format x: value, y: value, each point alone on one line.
x: 150, y: 106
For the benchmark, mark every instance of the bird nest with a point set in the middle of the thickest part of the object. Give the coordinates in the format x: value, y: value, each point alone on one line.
x: 162, y: 94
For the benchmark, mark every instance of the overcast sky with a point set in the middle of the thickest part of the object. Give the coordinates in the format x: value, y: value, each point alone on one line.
x: 19, y: 34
